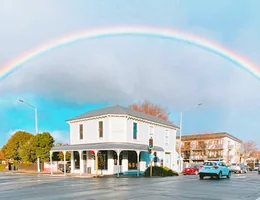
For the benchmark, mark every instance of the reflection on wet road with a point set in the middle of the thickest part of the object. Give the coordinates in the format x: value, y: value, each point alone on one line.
x: 240, y: 186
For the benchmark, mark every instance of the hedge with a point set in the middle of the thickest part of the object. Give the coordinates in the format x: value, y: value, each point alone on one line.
x: 160, y: 171
x: 2, y: 167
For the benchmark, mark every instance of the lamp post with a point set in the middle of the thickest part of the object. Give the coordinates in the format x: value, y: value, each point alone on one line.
x: 36, y: 126
x: 181, y: 115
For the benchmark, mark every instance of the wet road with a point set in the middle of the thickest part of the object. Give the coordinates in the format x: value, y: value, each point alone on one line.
x: 240, y: 186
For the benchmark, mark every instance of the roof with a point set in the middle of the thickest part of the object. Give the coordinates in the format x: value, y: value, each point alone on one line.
x: 123, y: 111
x: 204, y: 136
x: 105, y: 146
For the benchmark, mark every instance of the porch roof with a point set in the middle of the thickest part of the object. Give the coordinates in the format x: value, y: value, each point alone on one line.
x: 105, y: 146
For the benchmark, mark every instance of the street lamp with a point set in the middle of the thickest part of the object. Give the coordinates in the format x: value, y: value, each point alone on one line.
x: 36, y: 126
x: 181, y: 128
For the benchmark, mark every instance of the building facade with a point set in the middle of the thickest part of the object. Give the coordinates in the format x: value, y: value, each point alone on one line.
x: 198, y: 148
x: 118, y: 137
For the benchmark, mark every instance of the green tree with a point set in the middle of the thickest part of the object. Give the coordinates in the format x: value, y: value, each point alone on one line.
x: 28, y: 152
x: 12, y: 148
x: 43, y: 142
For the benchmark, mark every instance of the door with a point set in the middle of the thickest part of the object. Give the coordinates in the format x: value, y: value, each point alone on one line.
x: 168, y: 159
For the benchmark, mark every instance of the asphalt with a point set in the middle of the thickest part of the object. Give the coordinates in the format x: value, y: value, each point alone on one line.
x: 41, y: 187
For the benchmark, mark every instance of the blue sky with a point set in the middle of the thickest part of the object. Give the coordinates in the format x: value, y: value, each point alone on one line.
x: 92, y: 74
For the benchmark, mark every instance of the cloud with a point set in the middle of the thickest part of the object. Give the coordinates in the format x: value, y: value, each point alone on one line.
x: 125, y: 69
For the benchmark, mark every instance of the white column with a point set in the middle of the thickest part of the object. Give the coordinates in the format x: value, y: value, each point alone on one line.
x: 118, y: 167
x: 81, y: 162
x: 96, y: 162
x: 64, y: 164
x: 125, y: 161
x: 138, y: 163
x: 51, y: 161
x: 72, y: 161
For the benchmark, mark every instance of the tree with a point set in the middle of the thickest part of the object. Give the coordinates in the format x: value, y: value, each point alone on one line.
x: 60, y: 155
x: 2, y: 157
x: 27, y: 152
x: 43, y: 142
x: 11, y: 149
x: 248, y: 148
x: 151, y: 109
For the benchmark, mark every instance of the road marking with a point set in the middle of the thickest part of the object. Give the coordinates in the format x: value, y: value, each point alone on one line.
x: 258, y: 198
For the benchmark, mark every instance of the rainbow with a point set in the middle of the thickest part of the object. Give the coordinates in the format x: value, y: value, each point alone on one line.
x: 155, y: 32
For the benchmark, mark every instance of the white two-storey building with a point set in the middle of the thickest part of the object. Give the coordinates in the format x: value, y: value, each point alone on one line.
x: 119, y: 138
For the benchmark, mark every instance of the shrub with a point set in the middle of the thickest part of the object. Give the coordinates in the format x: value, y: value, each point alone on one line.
x: 160, y: 171
x: 2, y: 167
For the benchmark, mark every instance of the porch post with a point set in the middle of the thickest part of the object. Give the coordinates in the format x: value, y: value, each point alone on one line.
x: 96, y: 162
x: 72, y: 161
x: 64, y: 164
x: 81, y: 166
x: 51, y: 161
x: 118, y: 169
x: 138, y: 163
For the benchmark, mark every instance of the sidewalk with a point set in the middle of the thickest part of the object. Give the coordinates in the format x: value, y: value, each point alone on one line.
x: 59, y: 174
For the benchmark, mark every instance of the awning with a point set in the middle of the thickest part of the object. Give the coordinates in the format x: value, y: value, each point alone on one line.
x: 105, y: 146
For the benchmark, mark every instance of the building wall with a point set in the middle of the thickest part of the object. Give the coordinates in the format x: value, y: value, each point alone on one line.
x: 225, y: 148
x: 90, y: 131
x: 120, y: 129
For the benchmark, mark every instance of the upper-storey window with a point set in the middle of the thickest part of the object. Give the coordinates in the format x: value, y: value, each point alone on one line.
x: 166, y: 138
x: 135, y: 130
x: 81, y: 131
x: 151, y: 131
x: 100, y: 129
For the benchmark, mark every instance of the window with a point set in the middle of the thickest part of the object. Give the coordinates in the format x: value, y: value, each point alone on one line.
x: 151, y: 132
x: 134, y: 130
x: 166, y: 138
x: 100, y: 129
x: 81, y: 131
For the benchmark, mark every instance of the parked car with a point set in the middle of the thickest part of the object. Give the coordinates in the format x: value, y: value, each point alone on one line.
x: 214, y: 169
x: 249, y: 169
x: 238, y: 168
x: 68, y: 167
x: 244, y: 168
x: 191, y: 170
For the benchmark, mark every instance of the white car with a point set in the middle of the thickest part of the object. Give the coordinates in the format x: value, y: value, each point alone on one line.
x: 214, y: 169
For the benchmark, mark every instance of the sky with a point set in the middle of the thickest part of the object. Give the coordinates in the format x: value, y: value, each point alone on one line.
x: 92, y: 74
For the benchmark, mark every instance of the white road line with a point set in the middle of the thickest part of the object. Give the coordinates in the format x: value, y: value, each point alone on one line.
x: 258, y: 198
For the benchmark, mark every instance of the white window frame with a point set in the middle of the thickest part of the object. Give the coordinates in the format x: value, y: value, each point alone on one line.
x: 166, y: 138
x: 98, y: 129
x: 82, y: 131
x: 151, y: 131
x: 137, y: 129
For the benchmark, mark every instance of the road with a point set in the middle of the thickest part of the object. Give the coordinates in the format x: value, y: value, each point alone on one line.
x: 240, y: 186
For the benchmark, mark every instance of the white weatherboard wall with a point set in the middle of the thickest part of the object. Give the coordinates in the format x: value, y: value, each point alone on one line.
x: 119, y: 128
x: 90, y: 131
x: 159, y: 132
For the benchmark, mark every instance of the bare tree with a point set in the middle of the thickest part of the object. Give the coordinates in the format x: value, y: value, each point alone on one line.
x: 151, y: 109
x: 248, y: 149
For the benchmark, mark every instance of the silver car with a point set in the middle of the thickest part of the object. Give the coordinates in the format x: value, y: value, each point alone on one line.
x: 238, y: 168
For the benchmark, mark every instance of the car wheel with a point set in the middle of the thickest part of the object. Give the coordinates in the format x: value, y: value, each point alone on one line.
x: 220, y: 175
x: 229, y: 175
x: 201, y: 177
